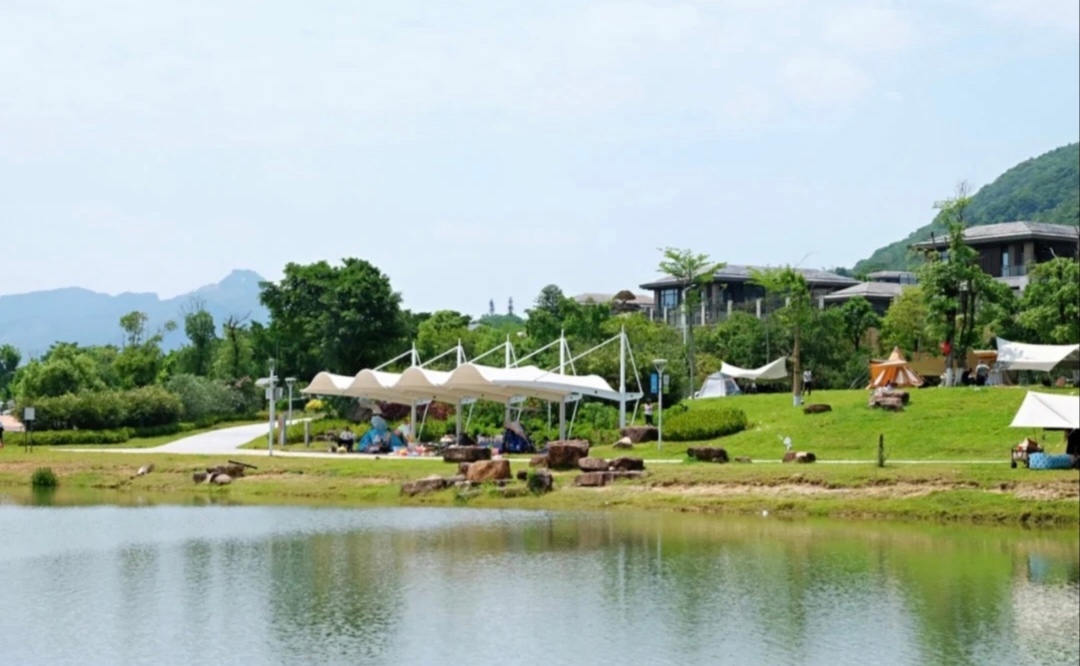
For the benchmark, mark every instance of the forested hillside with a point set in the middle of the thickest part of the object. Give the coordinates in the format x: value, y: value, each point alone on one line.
x: 1041, y: 189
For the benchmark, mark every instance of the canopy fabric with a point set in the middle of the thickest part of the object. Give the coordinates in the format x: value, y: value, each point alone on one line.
x: 326, y: 383
x: 1044, y: 358
x: 775, y: 370
x: 894, y: 370
x: 718, y: 385
x: 1047, y: 410
x: 374, y: 385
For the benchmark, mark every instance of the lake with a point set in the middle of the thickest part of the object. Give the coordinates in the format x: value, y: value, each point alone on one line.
x: 167, y: 584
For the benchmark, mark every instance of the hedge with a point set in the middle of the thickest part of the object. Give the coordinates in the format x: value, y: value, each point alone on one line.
x: 294, y: 434
x: 64, y: 437
x: 703, y: 424
x: 145, y: 407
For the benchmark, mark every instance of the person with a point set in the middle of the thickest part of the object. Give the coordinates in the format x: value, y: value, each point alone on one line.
x: 1, y: 434
x: 982, y: 373
x: 648, y: 413
x: 808, y: 381
x: 346, y: 438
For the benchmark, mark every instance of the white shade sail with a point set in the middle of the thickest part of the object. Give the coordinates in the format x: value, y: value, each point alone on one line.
x: 1047, y: 410
x: 775, y: 370
x: 376, y: 385
x: 1044, y: 358
x: 326, y: 383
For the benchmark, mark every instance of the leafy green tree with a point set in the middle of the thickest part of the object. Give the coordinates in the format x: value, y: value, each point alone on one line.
x: 1050, y: 308
x: 692, y: 272
x: 738, y: 340
x: 134, y: 327
x: 140, y: 364
x: 234, y: 356
x: 198, y: 356
x: 859, y: 317
x: 337, y: 318
x: 9, y: 363
x: 66, y: 368
x: 790, y: 284
x: 905, y: 322
x: 441, y: 332
x: 550, y: 300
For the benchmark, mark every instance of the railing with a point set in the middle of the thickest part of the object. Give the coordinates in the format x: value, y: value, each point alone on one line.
x: 1018, y: 270
x: 710, y: 314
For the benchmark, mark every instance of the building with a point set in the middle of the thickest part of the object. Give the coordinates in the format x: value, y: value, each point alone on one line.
x: 731, y: 289
x: 880, y: 290
x: 1009, y: 250
x: 639, y: 303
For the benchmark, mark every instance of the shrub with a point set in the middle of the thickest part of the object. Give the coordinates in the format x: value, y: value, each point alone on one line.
x: 152, y: 406
x: 201, y: 397
x: 315, y: 406
x: 434, y: 429
x: 65, y: 437
x: 43, y: 477
x: 294, y: 434
x: 703, y: 424
x: 596, y: 436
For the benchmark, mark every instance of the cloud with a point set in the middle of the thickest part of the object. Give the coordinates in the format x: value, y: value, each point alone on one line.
x: 868, y: 28
x: 819, y: 80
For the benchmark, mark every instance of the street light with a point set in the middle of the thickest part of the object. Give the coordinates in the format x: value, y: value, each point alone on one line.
x: 271, y: 395
x: 660, y: 364
x: 290, y: 381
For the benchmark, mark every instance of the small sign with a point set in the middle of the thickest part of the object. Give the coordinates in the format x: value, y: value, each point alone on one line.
x: 28, y: 414
x: 654, y: 383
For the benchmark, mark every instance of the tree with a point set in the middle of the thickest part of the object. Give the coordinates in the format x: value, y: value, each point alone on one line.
x: 859, y: 317
x: 9, y: 362
x: 692, y: 272
x: 904, y: 324
x: 953, y: 284
x: 550, y: 300
x: 201, y: 332
x: 134, y: 326
x: 337, y: 318
x: 1050, y: 308
x: 788, y: 283
x: 65, y: 368
x: 234, y: 357
x: 441, y: 332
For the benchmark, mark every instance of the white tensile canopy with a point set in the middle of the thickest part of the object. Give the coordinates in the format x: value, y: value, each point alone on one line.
x: 374, y: 385
x: 1047, y: 410
x: 775, y: 370
x: 326, y: 383
x: 1044, y: 358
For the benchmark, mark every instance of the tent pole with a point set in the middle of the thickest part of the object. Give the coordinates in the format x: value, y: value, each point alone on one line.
x: 622, y: 378
x: 509, y: 348
x: 562, y: 371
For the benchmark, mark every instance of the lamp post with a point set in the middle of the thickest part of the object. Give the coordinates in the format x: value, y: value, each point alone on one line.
x: 271, y: 395
x: 290, y: 381
x: 660, y: 364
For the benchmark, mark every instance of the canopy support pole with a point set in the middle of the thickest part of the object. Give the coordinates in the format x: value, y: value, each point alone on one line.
x: 562, y: 371
x: 622, y: 378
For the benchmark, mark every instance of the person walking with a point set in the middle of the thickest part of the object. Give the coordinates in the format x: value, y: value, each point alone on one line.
x: 1, y: 433
x: 648, y: 413
x: 807, y: 381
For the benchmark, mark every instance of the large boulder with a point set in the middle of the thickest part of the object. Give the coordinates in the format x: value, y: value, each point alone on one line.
x: 488, y: 470
x: 626, y: 464
x: 816, y: 408
x: 714, y: 454
x: 565, y: 454
x: 799, y: 457
x: 538, y: 461
x: 888, y: 402
x: 426, y: 485
x: 598, y: 479
x: 639, y: 434
x: 593, y: 465
x: 467, y: 454
x: 540, y: 481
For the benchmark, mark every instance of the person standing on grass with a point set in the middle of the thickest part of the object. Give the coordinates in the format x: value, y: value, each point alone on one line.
x: 807, y: 381
x: 648, y: 413
x: 1, y: 434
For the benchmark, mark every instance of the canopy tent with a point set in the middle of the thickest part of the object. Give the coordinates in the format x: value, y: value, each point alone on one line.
x: 326, y: 383
x: 1044, y: 358
x: 1047, y: 410
x: 894, y: 370
x: 775, y: 370
x: 718, y: 385
x: 376, y: 385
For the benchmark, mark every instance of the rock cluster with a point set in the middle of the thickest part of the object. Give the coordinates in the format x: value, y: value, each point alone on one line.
x: 639, y: 434
x: 708, y: 454
x: 598, y: 472
x: 221, y: 475
x: 466, y: 454
x: 471, y: 475
x: 799, y: 457
x: 565, y: 454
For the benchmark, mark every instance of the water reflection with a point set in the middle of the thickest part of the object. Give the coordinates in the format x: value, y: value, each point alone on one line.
x: 169, y: 584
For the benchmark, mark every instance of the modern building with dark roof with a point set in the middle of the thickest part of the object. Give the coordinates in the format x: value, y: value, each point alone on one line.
x: 1009, y: 250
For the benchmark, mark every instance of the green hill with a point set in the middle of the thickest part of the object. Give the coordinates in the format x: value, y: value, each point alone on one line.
x: 1041, y: 189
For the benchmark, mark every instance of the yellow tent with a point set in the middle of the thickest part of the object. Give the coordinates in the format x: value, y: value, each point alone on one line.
x: 894, y: 370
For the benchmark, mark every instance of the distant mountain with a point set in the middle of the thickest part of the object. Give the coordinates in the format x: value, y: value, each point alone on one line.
x: 33, y: 322
x: 1041, y: 189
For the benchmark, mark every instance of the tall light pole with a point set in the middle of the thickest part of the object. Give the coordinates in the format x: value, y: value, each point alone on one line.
x: 290, y: 381
x: 660, y: 364
x: 271, y: 395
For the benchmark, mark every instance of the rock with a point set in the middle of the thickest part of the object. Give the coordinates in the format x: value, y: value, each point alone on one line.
x: 628, y: 465
x: 538, y: 461
x: 522, y: 475
x: 592, y: 479
x: 624, y: 443
x: 799, y: 457
x: 593, y: 465
x: 426, y: 485
x: 457, y: 478
x: 816, y: 409
x: 890, y: 403
x: 742, y: 459
x: 488, y: 470
x: 145, y: 469
x: 463, y: 468
x: 566, y: 454
x: 221, y: 479
x: 639, y: 434
x: 708, y: 454
x: 540, y: 481
x: 200, y: 477
x: 904, y: 396
x: 235, y: 471
x: 460, y: 454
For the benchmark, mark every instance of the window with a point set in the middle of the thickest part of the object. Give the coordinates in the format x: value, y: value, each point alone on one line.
x: 669, y: 299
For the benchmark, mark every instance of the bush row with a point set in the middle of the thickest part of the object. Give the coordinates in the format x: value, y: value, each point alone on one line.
x: 144, y: 407
x: 703, y: 424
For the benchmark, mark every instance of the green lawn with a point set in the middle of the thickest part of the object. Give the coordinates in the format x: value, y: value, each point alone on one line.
x: 938, y: 424
x: 141, y: 442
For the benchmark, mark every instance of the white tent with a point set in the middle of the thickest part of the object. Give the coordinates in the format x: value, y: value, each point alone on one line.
x: 1047, y: 410
x: 718, y: 385
x: 775, y: 370
x: 1021, y: 356
x: 326, y: 383
x: 376, y: 385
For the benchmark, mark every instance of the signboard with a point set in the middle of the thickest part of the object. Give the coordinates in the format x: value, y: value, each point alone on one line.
x: 274, y: 393
x: 28, y: 414
x: 654, y: 383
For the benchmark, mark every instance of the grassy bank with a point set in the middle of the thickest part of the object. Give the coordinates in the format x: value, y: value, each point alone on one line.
x: 979, y: 493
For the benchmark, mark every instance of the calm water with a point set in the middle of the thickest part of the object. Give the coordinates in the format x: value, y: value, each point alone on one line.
x: 166, y: 584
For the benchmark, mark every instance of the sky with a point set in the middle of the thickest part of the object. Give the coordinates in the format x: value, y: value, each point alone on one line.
x: 478, y: 150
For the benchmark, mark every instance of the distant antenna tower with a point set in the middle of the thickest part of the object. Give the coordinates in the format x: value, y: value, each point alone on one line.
x: 491, y: 307
x: 510, y: 306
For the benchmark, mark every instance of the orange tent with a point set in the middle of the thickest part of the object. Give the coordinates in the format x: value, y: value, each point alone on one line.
x: 895, y: 370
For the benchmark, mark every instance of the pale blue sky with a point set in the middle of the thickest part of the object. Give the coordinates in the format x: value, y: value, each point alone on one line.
x: 478, y: 150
